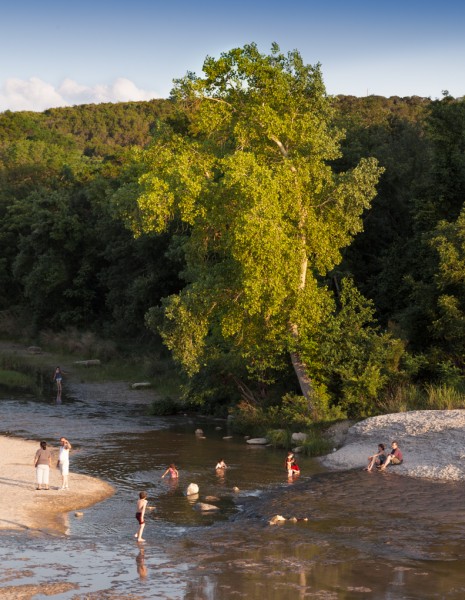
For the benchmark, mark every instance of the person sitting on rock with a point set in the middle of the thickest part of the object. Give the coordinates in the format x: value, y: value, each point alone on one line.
x: 377, y: 459
x: 394, y: 457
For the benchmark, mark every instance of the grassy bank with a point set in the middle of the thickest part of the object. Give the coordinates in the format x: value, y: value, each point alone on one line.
x: 30, y: 369
x: 85, y: 359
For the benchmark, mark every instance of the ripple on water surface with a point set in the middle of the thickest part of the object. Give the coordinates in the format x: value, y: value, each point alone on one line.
x: 367, y: 535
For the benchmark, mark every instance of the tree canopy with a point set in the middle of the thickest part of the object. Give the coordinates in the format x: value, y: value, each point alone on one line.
x: 260, y: 244
x: 267, y: 214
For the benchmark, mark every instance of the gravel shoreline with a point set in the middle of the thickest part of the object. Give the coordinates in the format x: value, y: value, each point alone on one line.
x: 432, y: 443
x: 22, y: 507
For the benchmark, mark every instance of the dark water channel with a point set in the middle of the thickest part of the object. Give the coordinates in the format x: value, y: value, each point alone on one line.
x: 377, y: 536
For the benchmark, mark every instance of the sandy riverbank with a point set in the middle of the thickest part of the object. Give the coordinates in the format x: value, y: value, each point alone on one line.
x: 22, y: 507
x: 432, y: 442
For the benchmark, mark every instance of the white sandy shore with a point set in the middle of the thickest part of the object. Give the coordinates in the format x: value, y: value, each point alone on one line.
x: 432, y: 443
x: 23, y: 507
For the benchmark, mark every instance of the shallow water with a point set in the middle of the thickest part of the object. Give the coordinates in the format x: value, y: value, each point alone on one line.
x: 367, y: 535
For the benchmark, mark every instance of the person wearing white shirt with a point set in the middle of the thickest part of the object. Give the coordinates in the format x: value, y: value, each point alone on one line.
x: 63, y: 462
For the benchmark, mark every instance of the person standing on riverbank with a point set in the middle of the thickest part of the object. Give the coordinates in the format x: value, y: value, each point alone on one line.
x: 42, y: 463
x: 58, y: 378
x: 140, y: 514
x: 63, y: 462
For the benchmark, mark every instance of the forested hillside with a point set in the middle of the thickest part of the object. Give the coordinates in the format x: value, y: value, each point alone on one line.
x: 181, y: 217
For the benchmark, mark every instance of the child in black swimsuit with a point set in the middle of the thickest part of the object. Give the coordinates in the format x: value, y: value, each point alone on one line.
x: 140, y: 514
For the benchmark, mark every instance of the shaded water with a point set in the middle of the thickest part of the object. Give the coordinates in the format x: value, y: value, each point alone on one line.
x: 367, y: 535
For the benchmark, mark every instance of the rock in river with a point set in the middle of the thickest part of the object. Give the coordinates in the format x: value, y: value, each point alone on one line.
x: 203, y: 507
x: 192, y: 489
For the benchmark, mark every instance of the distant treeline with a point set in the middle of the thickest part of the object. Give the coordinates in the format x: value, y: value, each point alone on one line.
x: 69, y: 255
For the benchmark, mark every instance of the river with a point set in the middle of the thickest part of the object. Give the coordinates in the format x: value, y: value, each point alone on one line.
x: 367, y: 535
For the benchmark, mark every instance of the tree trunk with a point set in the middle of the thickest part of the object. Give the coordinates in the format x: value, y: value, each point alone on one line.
x: 304, y: 380
x: 299, y: 366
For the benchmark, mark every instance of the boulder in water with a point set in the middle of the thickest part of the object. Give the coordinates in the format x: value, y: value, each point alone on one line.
x: 141, y: 385
x: 92, y: 362
x: 276, y: 520
x: 34, y: 350
x: 204, y: 507
x: 192, y: 488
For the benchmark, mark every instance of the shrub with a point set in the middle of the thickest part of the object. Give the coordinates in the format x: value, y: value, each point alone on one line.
x: 443, y: 397
x: 248, y: 417
x: 401, y: 398
x: 72, y: 341
x: 13, y: 380
x: 164, y: 407
x: 407, y: 397
x: 316, y: 443
x: 279, y: 438
x: 293, y: 412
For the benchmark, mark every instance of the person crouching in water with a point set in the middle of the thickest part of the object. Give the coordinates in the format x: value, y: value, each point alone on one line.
x: 291, y: 466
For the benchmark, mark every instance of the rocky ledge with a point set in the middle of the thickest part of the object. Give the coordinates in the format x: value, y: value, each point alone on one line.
x: 432, y: 443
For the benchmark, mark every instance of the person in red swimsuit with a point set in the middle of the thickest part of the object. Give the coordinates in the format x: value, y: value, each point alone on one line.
x: 291, y: 465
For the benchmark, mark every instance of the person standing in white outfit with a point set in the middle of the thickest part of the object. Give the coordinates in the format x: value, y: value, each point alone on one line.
x: 63, y: 462
x: 42, y: 463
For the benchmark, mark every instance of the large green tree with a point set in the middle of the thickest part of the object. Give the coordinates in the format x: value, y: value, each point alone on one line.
x: 267, y: 216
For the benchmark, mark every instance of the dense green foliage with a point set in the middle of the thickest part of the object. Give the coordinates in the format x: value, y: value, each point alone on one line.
x: 267, y: 215
x: 242, y: 219
x: 67, y: 258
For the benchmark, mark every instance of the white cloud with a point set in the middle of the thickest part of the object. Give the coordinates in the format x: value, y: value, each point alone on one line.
x: 37, y: 95
x: 33, y: 94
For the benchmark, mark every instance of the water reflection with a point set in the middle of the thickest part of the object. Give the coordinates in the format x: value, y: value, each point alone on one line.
x: 368, y: 535
x: 221, y: 476
x: 140, y: 564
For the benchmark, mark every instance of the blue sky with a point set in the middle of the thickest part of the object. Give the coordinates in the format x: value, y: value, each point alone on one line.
x: 64, y: 53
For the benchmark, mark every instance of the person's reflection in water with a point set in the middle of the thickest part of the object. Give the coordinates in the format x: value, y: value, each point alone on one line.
x: 173, y: 485
x: 220, y: 475
x: 140, y: 564
x: 58, y: 399
x: 193, y: 499
x: 64, y: 519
